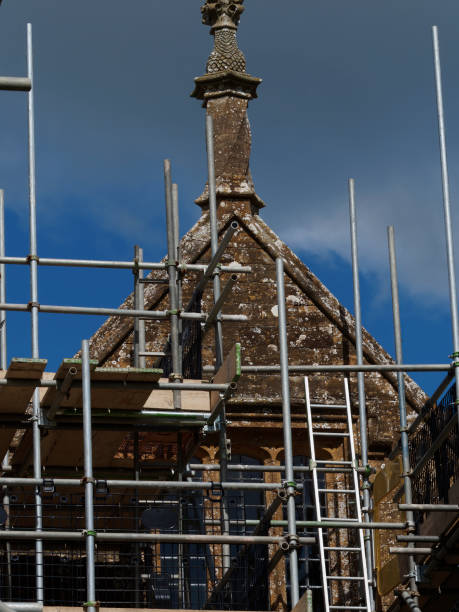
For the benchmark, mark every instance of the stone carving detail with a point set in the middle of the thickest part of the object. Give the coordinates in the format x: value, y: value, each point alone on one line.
x: 226, y: 54
x: 223, y: 18
x: 222, y: 13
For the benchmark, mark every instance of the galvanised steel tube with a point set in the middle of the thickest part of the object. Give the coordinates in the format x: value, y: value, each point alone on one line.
x: 15, y: 84
x: 119, y: 384
x: 217, y: 256
x: 151, y: 537
x: 409, y: 550
x: 222, y: 441
x: 360, y: 379
x: 139, y: 304
x: 408, y: 599
x: 401, y: 399
x: 147, y: 314
x: 150, y: 484
x: 22, y: 607
x: 89, y: 482
x: 418, y: 538
x: 173, y: 289
x: 333, y: 524
x: 213, y: 314
x: 212, y: 467
x: 114, y: 312
x: 176, y: 217
x: 429, y: 507
x: 400, y: 379
x: 124, y: 265
x: 287, y: 430
x: 389, y: 367
x: 214, y: 231
x: 447, y: 209
x: 34, y: 314
x: 3, y: 356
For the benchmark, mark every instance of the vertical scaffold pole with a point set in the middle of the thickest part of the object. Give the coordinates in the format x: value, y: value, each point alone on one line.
x: 176, y: 374
x: 401, y: 398
x: 447, y: 210
x: 136, y: 517
x: 214, y: 234
x: 3, y: 357
x: 33, y: 263
x: 222, y: 443
x: 175, y: 205
x: 287, y: 429
x: 6, y: 507
x: 360, y: 379
x: 139, y: 304
x: 91, y: 604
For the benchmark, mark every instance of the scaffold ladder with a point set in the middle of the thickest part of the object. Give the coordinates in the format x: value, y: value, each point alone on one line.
x: 354, y: 496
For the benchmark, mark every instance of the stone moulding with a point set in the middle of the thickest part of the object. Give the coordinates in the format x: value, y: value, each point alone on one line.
x: 225, y: 83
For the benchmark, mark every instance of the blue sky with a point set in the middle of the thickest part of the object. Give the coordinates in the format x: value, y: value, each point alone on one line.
x: 348, y: 90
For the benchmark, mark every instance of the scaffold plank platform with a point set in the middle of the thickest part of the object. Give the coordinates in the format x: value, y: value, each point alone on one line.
x: 123, y: 397
x: 14, y: 399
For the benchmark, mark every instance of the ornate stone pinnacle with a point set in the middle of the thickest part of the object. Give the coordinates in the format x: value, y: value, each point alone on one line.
x: 222, y: 14
x: 223, y: 18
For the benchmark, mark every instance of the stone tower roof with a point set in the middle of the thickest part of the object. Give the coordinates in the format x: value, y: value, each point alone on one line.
x: 320, y: 329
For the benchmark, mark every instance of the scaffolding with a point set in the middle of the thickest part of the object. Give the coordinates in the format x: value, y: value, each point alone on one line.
x: 197, y: 547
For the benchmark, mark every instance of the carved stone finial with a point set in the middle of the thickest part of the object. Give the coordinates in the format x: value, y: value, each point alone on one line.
x: 223, y: 18
x: 222, y: 14
x: 226, y: 90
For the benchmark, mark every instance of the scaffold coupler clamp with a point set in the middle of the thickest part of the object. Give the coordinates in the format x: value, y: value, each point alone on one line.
x: 175, y: 377
x: 455, y: 357
x: 288, y: 485
x: 290, y: 542
x: 91, y: 604
x: 89, y: 532
x: 215, y: 493
x: 88, y: 479
x: 48, y: 486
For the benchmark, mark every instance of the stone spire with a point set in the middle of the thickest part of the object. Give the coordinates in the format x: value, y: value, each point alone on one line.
x: 226, y: 90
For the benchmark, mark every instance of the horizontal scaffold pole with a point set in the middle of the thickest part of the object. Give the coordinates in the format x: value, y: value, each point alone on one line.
x: 21, y: 607
x: 121, y: 265
x: 119, y: 384
x: 149, y: 484
x: 429, y: 507
x: 116, y: 312
x: 149, y: 537
x: 380, y: 367
x: 334, y: 524
x: 393, y: 550
x: 214, y: 467
x: 15, y: 84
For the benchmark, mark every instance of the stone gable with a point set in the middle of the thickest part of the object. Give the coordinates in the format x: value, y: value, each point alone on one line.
x: 320, y: 329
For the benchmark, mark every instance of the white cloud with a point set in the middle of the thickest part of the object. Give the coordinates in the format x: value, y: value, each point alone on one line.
x: 323, y: 230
